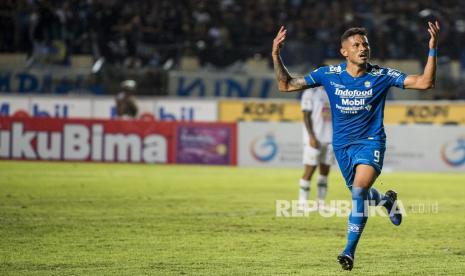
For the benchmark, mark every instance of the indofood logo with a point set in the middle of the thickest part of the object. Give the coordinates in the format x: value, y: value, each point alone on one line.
x: 453, y: 153
x: 354, y: 93
x: 264, y: 148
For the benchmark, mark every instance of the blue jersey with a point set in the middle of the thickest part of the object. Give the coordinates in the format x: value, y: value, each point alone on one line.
x: 357, y: 104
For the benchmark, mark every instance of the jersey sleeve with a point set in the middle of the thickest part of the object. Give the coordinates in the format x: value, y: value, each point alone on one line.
x: 396, y: 78
x: 315, y: 78
x: 306, y: 101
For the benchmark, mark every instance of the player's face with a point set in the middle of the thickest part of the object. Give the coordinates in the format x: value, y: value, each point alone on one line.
x: 356, y: 49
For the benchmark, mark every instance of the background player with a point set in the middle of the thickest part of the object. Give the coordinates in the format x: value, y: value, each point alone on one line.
x: 126, y: 106
x: 317, y: 148
x: 357, y: 92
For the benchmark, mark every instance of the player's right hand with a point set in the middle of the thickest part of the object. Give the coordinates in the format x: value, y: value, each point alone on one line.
x: 278, y: 41
x: 433, y: 30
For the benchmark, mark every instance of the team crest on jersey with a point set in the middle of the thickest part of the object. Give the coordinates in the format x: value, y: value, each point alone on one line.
x: 367, y: 84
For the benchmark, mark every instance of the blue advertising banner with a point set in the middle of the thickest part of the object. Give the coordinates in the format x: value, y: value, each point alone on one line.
x: 50, y: 81
x: 229, y: 85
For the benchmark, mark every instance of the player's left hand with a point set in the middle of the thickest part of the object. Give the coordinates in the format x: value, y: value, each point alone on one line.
x: 314, y: 143
x: 433, y: 30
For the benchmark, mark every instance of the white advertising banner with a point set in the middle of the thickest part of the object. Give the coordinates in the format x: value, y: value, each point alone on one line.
x: 425, y: 148
x: 186, y: 110
x: 409, y: 148
x: 60, y: 107
x: 270, y: 144
x: 14, y: 106
x: 46, y: 106
x: 105, y: 107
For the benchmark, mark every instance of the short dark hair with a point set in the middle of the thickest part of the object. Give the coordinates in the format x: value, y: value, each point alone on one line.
x: 353, y: 31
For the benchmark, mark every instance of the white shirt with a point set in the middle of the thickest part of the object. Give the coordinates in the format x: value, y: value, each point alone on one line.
x: 316, y: 101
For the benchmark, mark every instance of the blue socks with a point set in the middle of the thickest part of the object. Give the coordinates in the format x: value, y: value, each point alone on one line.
x: 359, y: 215
x: 374, y: 197
x: 358, y: 218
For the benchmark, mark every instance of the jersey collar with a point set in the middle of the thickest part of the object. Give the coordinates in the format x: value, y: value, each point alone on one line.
x: 344, y: 69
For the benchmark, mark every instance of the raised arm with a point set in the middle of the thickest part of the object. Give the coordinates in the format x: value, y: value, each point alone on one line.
x: 428, y: 78
x: 286, y: 82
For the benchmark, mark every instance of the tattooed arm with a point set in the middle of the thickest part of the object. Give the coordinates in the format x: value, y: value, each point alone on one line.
x: 286, y: 83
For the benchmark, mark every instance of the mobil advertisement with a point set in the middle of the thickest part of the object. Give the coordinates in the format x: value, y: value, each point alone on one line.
x: 45, y: 107
x: 135, y: 141
x: 425, y: 148
x: 259, y: 111
x: 60, y: 108
x: 212, y: 144
x: 15, y: 106
x: 270, y: 144
x: 68, y: 107
x: 186, y: 111
x: 228, y: 85
x: 104, y: 107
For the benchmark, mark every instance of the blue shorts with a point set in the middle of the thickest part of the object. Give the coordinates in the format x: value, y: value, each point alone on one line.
x: 364, y: 152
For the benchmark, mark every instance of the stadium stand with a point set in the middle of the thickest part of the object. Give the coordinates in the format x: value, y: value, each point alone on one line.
x: 224, y: 34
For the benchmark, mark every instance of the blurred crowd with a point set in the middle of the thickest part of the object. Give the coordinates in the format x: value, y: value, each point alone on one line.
x: 222, y: 32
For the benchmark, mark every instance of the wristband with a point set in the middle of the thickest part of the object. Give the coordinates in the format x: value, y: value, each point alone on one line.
x: 433, y: 52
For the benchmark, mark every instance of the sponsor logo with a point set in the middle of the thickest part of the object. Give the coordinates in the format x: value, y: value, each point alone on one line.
x: 335, y: 69
x: 264, y: 149
x: 354, y: 93
x: 263, y: 109
x: 354, y: 228
x: 453, y: 153
x: 426, y: 112
x: 259, y: 111
x: 393, y: 73
x: 214, y: 85
x: 337, y: 85
x: 59, y: 82
x: 376, y: 71
x: 59, y: 111
x: 203, y: 144
x: 80, y: 142
x: 349, y: 109
x: 353, y: 102
x: 184, y: 114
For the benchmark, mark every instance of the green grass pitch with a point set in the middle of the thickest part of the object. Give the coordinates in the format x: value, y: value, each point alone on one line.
x: 120, y: 219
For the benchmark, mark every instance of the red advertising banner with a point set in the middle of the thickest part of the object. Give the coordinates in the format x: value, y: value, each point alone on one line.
x: 87, y: 140
x: 117, y: 141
